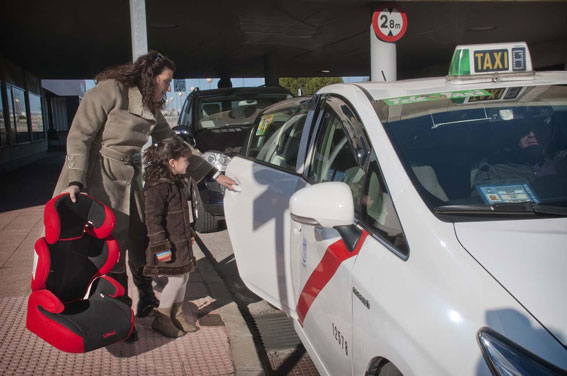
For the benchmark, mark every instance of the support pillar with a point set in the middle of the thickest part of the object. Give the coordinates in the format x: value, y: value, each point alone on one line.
x: 224, y: 80
x: 139, y: 33
x: 139, y: 28
x: 382, y: 59
x: 270, y: 71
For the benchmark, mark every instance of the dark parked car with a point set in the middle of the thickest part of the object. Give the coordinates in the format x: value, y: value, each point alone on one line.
x: 217, y: 122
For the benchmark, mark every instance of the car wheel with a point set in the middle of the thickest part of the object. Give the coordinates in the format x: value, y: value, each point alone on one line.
x: 382, y: 367
x: 389, y: 369
x: 203, y: 221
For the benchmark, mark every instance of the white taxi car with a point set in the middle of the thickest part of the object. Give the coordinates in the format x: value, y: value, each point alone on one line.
x: 415, y: 227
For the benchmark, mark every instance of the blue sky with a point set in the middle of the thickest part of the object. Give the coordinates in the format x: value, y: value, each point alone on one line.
x: 203, y: 84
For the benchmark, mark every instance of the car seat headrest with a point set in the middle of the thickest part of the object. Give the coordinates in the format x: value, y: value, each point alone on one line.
x: 64, y: 219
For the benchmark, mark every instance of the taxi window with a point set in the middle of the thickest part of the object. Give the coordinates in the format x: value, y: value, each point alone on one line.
x: 333, y: 158
x: 378, y: 211
x: 482, y: 147
x: 276, y: 136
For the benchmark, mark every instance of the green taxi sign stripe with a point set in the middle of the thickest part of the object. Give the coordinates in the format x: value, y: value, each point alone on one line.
x: 460, y: 64
x: 437, y: 97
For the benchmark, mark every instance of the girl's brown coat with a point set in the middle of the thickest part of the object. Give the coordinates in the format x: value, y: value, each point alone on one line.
x: 167, y: 220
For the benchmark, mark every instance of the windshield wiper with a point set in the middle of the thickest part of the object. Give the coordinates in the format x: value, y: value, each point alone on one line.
x: 517, y: 208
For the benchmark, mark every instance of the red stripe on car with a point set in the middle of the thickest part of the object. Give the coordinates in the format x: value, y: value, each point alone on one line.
x: 334, y: 256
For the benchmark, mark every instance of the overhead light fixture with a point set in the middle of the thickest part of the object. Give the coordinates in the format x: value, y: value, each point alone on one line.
x: 481, y: 28
x: 325, y: 71
x: 163, y: 25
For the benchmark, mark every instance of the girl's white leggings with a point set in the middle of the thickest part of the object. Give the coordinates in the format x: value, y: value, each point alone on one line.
x: 174, y: 290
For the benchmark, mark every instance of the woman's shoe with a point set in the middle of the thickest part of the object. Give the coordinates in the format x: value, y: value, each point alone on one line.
x: 146, y: 304
x: 179, y: 319
x: 133, y: 337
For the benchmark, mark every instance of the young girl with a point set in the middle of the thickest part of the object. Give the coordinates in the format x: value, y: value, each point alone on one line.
x: 167, y: 219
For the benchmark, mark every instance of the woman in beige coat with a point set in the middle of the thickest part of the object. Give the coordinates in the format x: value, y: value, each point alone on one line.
x: 114, y: 120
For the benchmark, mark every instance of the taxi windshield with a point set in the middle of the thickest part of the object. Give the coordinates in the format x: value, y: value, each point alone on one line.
x: 489, y: 148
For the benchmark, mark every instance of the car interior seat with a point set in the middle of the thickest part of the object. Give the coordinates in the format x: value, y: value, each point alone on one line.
x: 269, y: 147
x: 288, y: 146
x: 73, y: 305
x: 282, y: 146
x: 210, y: 109
x: 475, y: 169
x: 245, y: 109
x: 380, y: 207
x: 428, y: 179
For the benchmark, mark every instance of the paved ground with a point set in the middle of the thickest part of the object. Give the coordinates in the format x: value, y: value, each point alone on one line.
x: 222, y: 346
x: 279, y: 347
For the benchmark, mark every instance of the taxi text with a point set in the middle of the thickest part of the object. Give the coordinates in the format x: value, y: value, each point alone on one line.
x: 436, y: 97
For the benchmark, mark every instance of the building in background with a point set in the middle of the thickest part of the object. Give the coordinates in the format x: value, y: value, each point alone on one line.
x: 23, y: 136
x: 62, y: 99
x: 35, y: 114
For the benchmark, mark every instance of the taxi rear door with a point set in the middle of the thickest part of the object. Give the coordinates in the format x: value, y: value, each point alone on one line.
x: 257, y: 215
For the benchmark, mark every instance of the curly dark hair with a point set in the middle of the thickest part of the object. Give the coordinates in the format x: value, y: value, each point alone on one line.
x: 157, y: 156
x: 141, y: 73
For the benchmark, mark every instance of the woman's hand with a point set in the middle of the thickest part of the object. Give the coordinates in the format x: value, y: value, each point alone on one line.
x: 225, y: 181
x: 73, y: 191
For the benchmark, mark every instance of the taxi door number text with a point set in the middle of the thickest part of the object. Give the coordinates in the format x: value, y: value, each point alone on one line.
x: 340, y: 339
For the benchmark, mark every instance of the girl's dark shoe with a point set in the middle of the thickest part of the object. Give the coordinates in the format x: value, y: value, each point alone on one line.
x: 163, y: 324
x: 179, y: 319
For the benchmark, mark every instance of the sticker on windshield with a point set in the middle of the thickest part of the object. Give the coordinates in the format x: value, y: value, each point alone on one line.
x: 207, y: 124
x: 264, y: 124
x: 436, y: 97
x: 494, y: 194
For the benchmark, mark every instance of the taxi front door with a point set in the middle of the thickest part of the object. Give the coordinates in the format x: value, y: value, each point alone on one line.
x: 257, y: 215
x: 257, y: 218
x: 319, y: 256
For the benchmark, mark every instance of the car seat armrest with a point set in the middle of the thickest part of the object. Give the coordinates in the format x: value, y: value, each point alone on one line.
x: 106, y: 285
x: 47, y: 300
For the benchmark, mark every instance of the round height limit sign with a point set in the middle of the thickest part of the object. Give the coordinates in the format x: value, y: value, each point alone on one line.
x: 389, y: 23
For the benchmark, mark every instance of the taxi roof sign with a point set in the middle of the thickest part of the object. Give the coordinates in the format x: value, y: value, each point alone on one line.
x: 490, y: 62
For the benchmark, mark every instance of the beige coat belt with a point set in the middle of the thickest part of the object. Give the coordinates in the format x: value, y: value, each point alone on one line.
x: 131, y: 159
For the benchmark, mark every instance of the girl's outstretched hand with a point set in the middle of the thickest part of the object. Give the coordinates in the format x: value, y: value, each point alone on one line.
x: 227, y: 182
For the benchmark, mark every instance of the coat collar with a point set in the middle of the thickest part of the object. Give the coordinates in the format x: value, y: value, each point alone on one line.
x: 135, y: 105
x: 176, y: 180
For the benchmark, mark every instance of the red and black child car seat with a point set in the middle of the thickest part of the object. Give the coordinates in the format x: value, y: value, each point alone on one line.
x: 71, y: 260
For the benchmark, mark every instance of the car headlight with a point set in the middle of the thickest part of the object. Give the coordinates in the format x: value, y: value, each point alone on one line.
x: 505, y: 358
x: 219, y: 160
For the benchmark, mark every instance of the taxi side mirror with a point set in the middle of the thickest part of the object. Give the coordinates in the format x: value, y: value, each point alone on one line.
x: 327, y: 205
x: 324, y: 204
